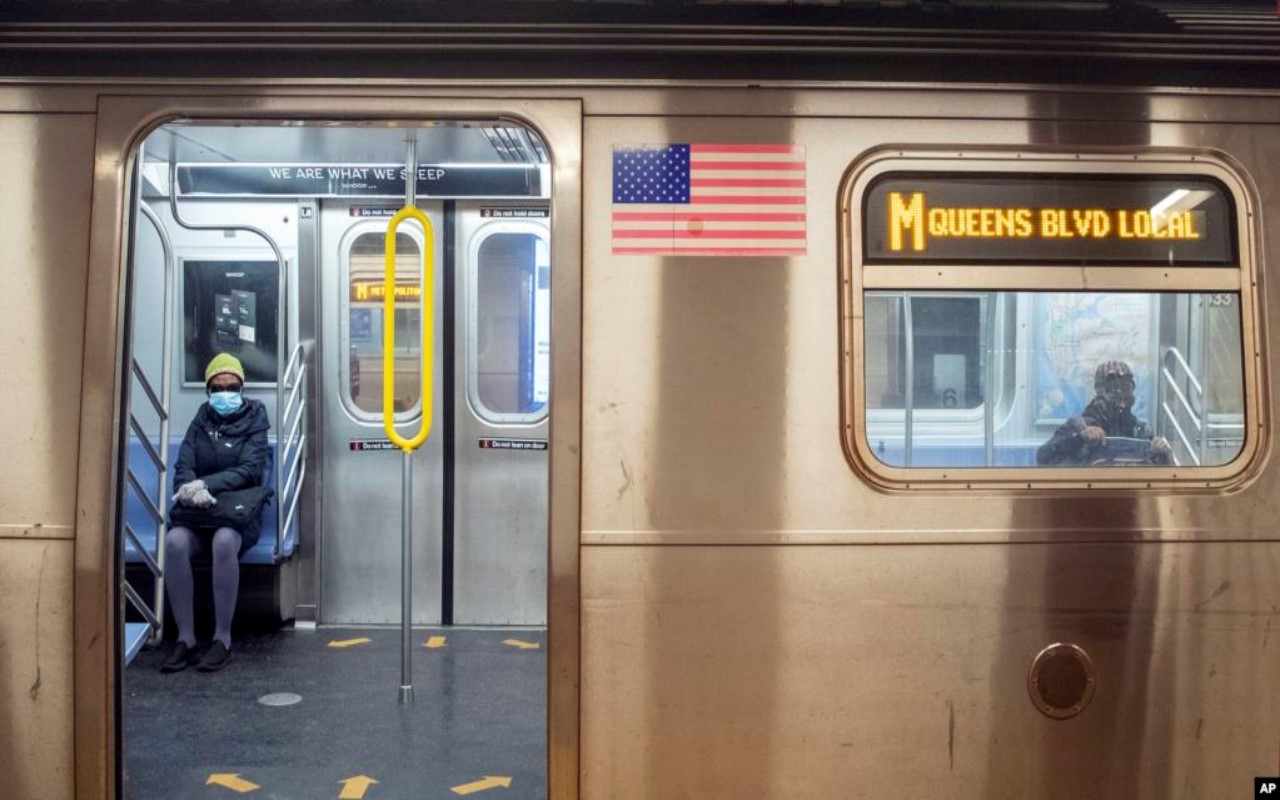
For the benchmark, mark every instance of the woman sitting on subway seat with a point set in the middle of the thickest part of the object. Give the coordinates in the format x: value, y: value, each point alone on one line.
x: 217, y: 508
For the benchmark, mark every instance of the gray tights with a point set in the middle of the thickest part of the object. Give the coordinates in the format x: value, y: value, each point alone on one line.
x: 180, y: 544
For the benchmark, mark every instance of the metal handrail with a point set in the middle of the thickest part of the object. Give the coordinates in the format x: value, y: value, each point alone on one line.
x: 282, y: 276
x: 283, y: 451
x: 288, y: 466
x: 147, y: 502
x: 1182, y: 362
x: 166, y: 387
x: 136, y: 600
x: 989, y: 374
x: 909, y: 387
x: 1169, y: 383
x: 291, y: 416
x: 293, y: 506
x: 1173, y: 420
x: 137, y: 545
x: 151, y: 393
x: 282, y: 317
x: 1172, y: 383
x: 293, y: 431
x: 294, y: 358
x: 294, y: 394
x: 147, y: 445
x: 290, y: 488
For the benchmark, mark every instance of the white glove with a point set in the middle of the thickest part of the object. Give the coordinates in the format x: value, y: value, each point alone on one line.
x: 201, y: 498
x: 187, y: 492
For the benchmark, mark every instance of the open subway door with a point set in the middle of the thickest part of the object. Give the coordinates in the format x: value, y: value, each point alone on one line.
x: 499, y: 184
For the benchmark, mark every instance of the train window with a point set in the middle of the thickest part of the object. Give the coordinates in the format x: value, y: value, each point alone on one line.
x: 1181, y: 388
x: 365, y: 297
x: 509, y: 340
x: 1055, y: 323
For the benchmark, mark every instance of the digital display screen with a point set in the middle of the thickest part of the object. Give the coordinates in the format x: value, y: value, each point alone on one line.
x: 1047, y: 218
x: 375, y: 291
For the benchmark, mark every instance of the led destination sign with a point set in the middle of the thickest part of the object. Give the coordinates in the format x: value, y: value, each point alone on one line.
x: 1047, y: 218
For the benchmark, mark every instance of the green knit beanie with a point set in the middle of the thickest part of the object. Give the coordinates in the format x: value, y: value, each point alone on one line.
x: 223, y: 363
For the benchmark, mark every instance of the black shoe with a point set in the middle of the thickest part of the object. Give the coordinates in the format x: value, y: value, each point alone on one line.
x: 215, y: 658
x: 180, y: 657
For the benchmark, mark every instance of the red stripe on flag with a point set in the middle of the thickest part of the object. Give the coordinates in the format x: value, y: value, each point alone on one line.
x: 744, y: 148
x: 758, y: 166
x: 683, y: 234
x: 747, y: 200
x: 706, y: 216
x: 755, y: 183
x: 755, y: 206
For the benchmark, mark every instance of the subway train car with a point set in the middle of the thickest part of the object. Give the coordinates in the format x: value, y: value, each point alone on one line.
x: 854, y: 400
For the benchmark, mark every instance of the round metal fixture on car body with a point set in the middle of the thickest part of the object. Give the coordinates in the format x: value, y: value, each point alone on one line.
x: 1061, y: 680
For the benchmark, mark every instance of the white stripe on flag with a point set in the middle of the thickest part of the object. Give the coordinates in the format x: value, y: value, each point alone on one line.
x: 743, y: 200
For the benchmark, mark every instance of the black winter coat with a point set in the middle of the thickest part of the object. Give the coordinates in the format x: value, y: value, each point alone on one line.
x: 1067, y: 446
x: 227, y: 453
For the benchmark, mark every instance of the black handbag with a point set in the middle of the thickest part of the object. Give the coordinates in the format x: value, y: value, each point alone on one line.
x: 234, y: 509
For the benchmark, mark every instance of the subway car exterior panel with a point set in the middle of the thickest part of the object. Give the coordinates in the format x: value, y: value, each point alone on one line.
x: 799, y: 543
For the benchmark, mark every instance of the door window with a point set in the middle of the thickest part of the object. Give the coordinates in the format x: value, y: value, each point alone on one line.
x: 364, y: 319
x: 510, y: 336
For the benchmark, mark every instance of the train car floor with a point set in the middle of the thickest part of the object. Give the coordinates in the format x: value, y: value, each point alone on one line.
x: 307, y: 714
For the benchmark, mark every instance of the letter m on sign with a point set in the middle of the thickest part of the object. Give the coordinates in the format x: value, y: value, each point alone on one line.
x: 906, y: 216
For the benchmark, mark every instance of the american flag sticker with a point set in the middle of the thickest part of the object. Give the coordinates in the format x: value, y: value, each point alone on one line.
x: 709, y: 200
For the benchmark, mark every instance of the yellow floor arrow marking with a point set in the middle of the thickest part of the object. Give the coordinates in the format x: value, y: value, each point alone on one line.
x: 523, y: 645
x: 489, y: 782
x: 354, y: 788
x: 434, y: 642
x: 231, y: 781
x: 349, y: 642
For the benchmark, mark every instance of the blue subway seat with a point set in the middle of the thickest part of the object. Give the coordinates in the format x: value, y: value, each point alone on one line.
x: 262, y: 553
x: 135, y: 636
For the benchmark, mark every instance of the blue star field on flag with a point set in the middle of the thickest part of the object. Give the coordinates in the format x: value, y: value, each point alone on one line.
x: 651, y: 174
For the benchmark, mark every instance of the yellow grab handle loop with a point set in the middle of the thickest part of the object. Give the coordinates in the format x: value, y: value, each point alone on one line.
x: 389, y: 330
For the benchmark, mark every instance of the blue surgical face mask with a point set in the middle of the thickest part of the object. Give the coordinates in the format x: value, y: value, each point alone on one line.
x: 225, y: 402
